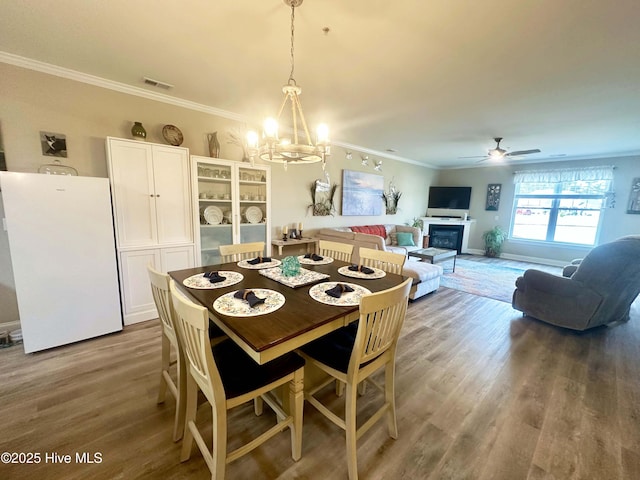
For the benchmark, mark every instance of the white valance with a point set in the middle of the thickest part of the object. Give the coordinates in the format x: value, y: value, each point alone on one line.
x: 603, y: 172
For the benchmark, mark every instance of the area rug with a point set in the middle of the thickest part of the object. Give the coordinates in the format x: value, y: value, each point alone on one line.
x: 484, y: 279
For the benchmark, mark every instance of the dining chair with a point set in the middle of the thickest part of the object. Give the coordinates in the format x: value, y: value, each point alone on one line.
x: 388, y: 261
x: 170, y: 339
x: 335, y: 250
x: 241, y: 251
x: 228, y: 377
x: 352, y: 356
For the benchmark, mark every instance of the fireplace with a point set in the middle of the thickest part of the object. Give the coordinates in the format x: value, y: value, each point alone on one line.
x: 446, y: 236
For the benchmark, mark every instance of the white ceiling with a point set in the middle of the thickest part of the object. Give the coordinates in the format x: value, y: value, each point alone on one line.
x: 434, y: 80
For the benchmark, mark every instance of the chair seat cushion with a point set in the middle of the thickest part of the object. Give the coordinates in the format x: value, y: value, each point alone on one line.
x: 334, y: 349
x: 241, y: 374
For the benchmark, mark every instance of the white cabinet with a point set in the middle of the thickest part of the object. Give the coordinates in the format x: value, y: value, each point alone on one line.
x: 151, y: 195
x: 232, y: 203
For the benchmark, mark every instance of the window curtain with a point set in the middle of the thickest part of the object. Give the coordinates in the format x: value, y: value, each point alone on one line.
x: 604, y: 172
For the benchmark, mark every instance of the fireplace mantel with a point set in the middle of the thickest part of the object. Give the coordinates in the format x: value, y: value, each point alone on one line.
x: 467, y: 224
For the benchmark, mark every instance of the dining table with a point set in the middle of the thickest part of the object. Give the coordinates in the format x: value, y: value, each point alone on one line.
x: 299, y: 317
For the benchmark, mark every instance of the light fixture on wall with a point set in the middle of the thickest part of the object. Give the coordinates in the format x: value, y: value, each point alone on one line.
x: 274, y: 149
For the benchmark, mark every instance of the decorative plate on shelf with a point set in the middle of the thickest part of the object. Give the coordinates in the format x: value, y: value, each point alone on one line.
x: 213, y: 215
x: 253, y: 214
x: 200, y: 281
x: 172, y: 135
x: 347, y: 299
x: 227, y: 304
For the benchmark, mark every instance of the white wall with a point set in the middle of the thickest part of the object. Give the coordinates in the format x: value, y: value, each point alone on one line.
x: 615, y: 223
x: 31, y: 102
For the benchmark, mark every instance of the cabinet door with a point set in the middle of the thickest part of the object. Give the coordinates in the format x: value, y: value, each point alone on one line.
x: 176, y: 258
x: 131, y: 173
x: 137, y: 299
x: 254, y: 197
x: 172, y: 195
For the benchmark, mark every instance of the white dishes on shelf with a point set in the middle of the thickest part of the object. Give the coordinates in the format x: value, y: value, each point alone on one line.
x: 253, y: 214
x: 213, y: 215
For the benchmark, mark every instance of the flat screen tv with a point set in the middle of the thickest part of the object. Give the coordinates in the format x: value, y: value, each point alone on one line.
x: 450, y: 197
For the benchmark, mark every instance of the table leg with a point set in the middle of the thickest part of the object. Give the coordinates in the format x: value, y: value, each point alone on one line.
x: 454, y: 263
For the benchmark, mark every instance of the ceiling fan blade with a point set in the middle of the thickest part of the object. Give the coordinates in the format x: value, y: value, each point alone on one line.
x: 475, y: 156
x: 522, y: 152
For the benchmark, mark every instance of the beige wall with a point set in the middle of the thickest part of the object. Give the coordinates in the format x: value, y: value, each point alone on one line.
x: 31, y: 102
x: 615, y: 223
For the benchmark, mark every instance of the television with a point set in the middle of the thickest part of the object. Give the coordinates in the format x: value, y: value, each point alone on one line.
x: 450, y: 197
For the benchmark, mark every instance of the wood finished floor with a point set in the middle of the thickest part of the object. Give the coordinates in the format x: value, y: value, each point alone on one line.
x: 481, y: 393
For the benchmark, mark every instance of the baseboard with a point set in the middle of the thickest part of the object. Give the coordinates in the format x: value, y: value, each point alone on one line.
x: 10, y: 326
x: 523, y: 258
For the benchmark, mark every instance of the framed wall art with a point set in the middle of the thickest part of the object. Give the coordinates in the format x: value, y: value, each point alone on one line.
x: 53, y: 144
x: 634, y: 197
x: 493, y: 196
x: 361, y: 193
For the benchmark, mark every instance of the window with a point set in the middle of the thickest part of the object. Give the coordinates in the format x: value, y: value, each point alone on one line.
x: 554, y: 209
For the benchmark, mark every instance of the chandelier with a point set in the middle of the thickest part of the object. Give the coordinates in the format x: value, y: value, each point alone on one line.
x: 294, y: 150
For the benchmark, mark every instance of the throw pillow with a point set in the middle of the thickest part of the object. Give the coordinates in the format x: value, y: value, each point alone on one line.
x: 405, y: 239
x: 394, y: 239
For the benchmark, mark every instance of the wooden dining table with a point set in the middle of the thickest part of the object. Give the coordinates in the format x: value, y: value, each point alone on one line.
x: 300, y: 320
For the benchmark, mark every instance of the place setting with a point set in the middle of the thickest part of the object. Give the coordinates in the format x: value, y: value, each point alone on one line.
x: 249, y: 302
x: 338, y: 293
x: 361, y: 272
x: 213, y: 279
x: 314, y: 259
x: 259, y: 263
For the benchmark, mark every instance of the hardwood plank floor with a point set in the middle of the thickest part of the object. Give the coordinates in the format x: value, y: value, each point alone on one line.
x: 481, y: 393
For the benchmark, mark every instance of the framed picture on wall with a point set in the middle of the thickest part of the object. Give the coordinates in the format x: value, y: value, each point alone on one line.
x: 53, y: 144
x: 493, y: 196
x: 361, y: 193
x: 634, y: 197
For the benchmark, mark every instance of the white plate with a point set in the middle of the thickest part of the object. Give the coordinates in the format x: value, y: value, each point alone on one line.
x: 253, y: 214
x: 228, y: 216
x: 228, y: 305
x: 258, y: 266
x: 308, y: 261
x: 347, y: 299
x: 213, y: 215
x: 377, y: 273
x: 199, y: 281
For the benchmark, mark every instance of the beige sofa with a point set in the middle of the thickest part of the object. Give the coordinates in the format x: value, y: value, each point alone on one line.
x: 427, y: 276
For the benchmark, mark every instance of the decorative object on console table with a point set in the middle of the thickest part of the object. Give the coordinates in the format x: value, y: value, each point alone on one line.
x: 214, y: 145
x: 634, y: 197
x: 138, y: 132
x: 361, y: 193
x: 493, y: 196
x: 493, y: 240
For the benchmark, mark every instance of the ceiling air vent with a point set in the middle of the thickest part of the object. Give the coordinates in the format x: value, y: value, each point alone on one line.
x: 156, y: 83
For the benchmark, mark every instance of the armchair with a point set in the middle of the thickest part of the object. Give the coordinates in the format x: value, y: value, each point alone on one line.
x: 600, y: 291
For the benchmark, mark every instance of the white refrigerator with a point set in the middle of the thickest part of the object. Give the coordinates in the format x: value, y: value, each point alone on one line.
x: 63, y: 253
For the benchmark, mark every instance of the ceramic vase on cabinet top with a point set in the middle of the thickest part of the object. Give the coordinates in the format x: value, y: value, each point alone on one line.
x: 214, y: 145
x: 138, y: 132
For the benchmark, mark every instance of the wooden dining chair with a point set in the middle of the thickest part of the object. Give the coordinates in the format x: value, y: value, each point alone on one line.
x: 352, y: 356
x: 171, y: 339
x: 228, y: 377
x: 241, y: 251
x: 388, y: 261
x: 335, y: 250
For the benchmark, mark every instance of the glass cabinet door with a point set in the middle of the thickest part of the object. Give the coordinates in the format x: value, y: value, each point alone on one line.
x: 252, y: 200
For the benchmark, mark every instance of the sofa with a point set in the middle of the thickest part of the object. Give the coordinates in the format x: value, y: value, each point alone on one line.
x: 381, y: 237
x: 600, y: 290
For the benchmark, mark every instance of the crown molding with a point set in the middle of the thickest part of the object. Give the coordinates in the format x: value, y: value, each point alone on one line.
x: 69, y: 74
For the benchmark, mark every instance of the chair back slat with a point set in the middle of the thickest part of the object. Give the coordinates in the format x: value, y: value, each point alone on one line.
x: 388, y: 261
x: 335, y: 250
x: 381, y: 317
x: 193, y: 322
x: 161, y: 297
x: 241, y: 251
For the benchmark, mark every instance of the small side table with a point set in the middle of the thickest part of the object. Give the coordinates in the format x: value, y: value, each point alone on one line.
x: 310, y: 242
x: 435, y: 255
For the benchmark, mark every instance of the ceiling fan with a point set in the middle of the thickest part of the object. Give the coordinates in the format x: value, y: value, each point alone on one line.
x: 500, y: 153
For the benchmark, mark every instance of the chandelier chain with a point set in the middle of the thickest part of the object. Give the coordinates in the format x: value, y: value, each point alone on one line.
x: 292, y: 81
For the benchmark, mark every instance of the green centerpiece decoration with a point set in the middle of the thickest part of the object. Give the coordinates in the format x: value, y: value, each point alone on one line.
x: 290, y: 266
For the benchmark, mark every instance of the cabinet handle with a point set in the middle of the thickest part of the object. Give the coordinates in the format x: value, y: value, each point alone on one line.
x: 157, y: 195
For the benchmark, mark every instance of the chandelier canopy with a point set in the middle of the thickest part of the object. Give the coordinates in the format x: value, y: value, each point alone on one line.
x: 270, y: 146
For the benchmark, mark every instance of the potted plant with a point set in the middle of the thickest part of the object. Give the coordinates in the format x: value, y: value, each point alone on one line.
x: 493, y: 240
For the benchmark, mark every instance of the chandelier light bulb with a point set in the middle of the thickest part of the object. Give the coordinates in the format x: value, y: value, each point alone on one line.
x: 271, y: 128
x: 323, y: 134
x: 252, y: 139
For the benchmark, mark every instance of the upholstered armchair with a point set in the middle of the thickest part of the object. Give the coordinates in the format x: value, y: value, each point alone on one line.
x: 600, y: 291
